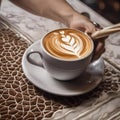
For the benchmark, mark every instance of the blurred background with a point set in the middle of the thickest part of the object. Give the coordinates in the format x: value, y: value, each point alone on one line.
x: 109, y: 9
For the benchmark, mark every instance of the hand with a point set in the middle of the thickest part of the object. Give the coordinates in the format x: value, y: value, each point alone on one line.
x: 81, y: 22
x: 84, y: 24
x: 99, y: 44
x: 99, y: 47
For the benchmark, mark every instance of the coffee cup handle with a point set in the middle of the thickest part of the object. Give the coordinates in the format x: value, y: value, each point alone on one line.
x: 31, y: 58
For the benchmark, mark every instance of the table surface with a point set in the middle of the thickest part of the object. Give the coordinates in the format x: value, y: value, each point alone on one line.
x: 36, y: 27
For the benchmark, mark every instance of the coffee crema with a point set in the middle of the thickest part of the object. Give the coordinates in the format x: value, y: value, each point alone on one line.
x: 68, y: 44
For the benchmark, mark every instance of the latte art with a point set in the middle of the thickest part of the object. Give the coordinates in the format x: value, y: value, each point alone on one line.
x: 67, y: 44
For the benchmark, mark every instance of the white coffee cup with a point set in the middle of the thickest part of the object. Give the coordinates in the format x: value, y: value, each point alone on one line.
x: 57, y: 64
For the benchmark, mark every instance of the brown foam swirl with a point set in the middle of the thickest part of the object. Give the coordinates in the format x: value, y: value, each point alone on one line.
x: 67, y: 44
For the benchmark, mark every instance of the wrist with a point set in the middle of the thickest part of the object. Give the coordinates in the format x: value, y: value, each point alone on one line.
x: 68, y: 17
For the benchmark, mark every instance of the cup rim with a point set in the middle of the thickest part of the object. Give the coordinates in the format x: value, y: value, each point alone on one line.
x: 69, y: 60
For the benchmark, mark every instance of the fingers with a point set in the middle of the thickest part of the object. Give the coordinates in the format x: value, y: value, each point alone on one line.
x: 97, y: 56
x: 99, y: 44
x: 99, y: 49
x: 90, y: 28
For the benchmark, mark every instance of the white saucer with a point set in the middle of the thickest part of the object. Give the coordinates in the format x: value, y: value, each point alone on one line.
x: 41, y: 78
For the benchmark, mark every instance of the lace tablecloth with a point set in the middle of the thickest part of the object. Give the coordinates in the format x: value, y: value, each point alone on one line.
x: 21, y: 100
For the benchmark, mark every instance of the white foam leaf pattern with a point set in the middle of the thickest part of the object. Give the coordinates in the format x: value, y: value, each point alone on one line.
x: 72, y: 41
x: 66, y: 39
x: 71, y: 45
x: 62, y: 32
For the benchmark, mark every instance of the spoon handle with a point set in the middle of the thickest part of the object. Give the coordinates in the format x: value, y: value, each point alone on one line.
x: 106, y: 31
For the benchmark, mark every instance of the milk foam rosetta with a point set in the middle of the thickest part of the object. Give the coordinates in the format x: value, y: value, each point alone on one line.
x: 67, y: 44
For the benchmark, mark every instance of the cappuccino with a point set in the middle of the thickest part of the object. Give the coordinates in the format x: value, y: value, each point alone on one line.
x: 68, y: 44
x: 64, y: 53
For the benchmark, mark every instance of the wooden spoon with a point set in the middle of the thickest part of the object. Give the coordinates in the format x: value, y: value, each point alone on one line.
x: 106, y: 31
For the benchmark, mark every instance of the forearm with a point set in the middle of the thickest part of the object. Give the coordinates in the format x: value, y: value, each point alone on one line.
x: 58, y: 10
